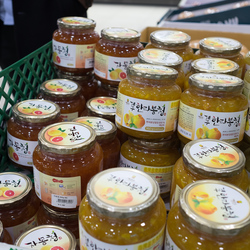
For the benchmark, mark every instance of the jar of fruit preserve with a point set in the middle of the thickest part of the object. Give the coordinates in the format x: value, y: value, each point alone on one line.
x: 154, y: 157
x: 175, y: 41
x: 117, y: 48
x: 66, y: 94
x: 164, y: 58
x: 28, y: 118
x: 213, y: 66
x: 18, y: 203
x: 4, y: 235
x: 106, y: 137
x: 222, y: 47
x: 246, y: 92
x: 209, y: 159
x: 106, y: 90
x: 74, y: 45
x: 49, y: 237
x: 125, y: 207
x: 247, y: 61
x: 210, y: 214
x: 66, y: 158
x: 212, y: 107
x: 148, y: 101
x: 48, y: 216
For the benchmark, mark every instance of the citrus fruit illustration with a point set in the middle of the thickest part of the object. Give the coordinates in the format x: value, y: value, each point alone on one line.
x: 110, y: 102
x: 247, y: 125
x: 54, y: 56
x: 118, y: 70
x: 38, y: 112
x: 15, y: 156
x: 223, y: 160
x: 54, y: 132
x: 116, y: 195
x: 134, y: 121
x: 57, y: 248
x: 1, y: 192
x: 122, y: 75
x: 58, y: 59
x: 56, y: 139
x: 206, y: 133
x: 113, y: 75
x: 3, y: 189
x: 100, y: 101
x: 10, y: 152
x: 8, y: 193
x: 27, y: 110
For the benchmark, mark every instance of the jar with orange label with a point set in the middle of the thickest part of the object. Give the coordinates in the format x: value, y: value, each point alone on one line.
x: 222, y: 47
x: 117, y: 48
x: 67, y: 94
x: 210, y: 214
x: 18, y: 203
x: 66, y: 158
x: 164, y: 58
x: 106, y: 90
x: 213, y: 107
x: 125, y: 207
x: 4, y: 235
x: 154, y: 157
x: 209, y: 159
x: 148, y: 101
x: 106, y: 137
x: 28, y: 118
x: 175, y: 41
x: 213, y: 66
x: 48, y: 216
x: 74, y: 44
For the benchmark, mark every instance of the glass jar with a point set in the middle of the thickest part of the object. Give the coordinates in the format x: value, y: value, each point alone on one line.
x: 4, y: 235
x: 74, y: 44
x: 175, y: 41
x: 106, y: 90
x: 106, y: 137
x: 117, y: 48
x: 247, y: 61
x: 148, y: 102
x: 47, y: 237
x: 209, y: 159
x: 125, y: 207
x: 164, y: 58
x: 18, y: 203
x: 48, y: 216
x: 28, y: 118
x: 246, y: 92
x: 213, y: 66
x: 222, y: 47
x: 66, y: 158
x: 66, y: 94
x: 154, y: 157
x: 212, y: 107
x: 210, y: 214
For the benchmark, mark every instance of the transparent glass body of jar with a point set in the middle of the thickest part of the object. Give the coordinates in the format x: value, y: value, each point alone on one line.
x: 28, y: 118
x: 175, y: 41
x: 106, y: 90
x: 247, y: 62
x: 154, y: 157
x: 148, y: 86
x: 74, y: 34
x: 18, y: 203
x: 68, y: 153
x: 246, y: 92
x: 106, y: 137
x: 221, y: 47
x: 212, y: 66
x: 5, y: 237
x: 164, y: 58
x: 48, y: 216
x: 209, y: 215
x: 66, y: 94
x: 212, y: 99
x: 117, y: 48
x: 215, y: 159
x: 136, y: 221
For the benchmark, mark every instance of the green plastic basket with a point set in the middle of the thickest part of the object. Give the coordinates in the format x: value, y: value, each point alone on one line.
x: 21, y: 81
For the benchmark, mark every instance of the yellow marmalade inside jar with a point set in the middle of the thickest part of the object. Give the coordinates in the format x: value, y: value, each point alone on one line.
x: 148, y: 101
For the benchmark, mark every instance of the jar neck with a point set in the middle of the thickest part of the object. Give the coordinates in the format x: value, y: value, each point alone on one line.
x: 145, y: 81
x: 106, y: 140
x: 37, y: 125
x: 219, y: 55
x: 110, y: 41
x: 179, y: 48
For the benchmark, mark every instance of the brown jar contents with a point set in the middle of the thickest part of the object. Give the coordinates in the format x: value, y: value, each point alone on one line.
x: 4, y: 235
x: 106, y: 90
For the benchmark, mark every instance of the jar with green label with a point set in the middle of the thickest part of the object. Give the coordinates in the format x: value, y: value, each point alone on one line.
x: 164, y: 58
x: 126, y: 209
x: 213, y: 107
x: 148, y: 101
x: 209, y: 159
x: 154, y: 157
x: 210, y: 214
x: 66, y: 158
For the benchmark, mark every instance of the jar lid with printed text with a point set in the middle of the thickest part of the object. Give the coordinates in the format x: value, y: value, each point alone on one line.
x: 74, y: 22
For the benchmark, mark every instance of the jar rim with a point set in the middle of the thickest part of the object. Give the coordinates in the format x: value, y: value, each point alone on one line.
x: 55, y: 213
x: 77, y: 23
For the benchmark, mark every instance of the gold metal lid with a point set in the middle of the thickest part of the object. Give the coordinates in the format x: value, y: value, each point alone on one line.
x: 49, y: 235
x: 216, y: 82
x: 215, y: 207
x: 170, y: 38
x: 120, y: 34
x: 60, y: 88
x: 220, y: 45
x: 66, y: 138
x: 104, y: 128
x: 36, y: 111
x: 62, y: 215
x: 13, y: 188
x: 122, y: 192
x: 215, y: 65
x: 213, y: 158
x: 74, y: 22
x: 151, y: 71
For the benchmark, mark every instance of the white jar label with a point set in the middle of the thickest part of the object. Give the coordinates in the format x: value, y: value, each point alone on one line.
x: 186, y: 66
x: 169, y: 243
x: 69, y: 116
